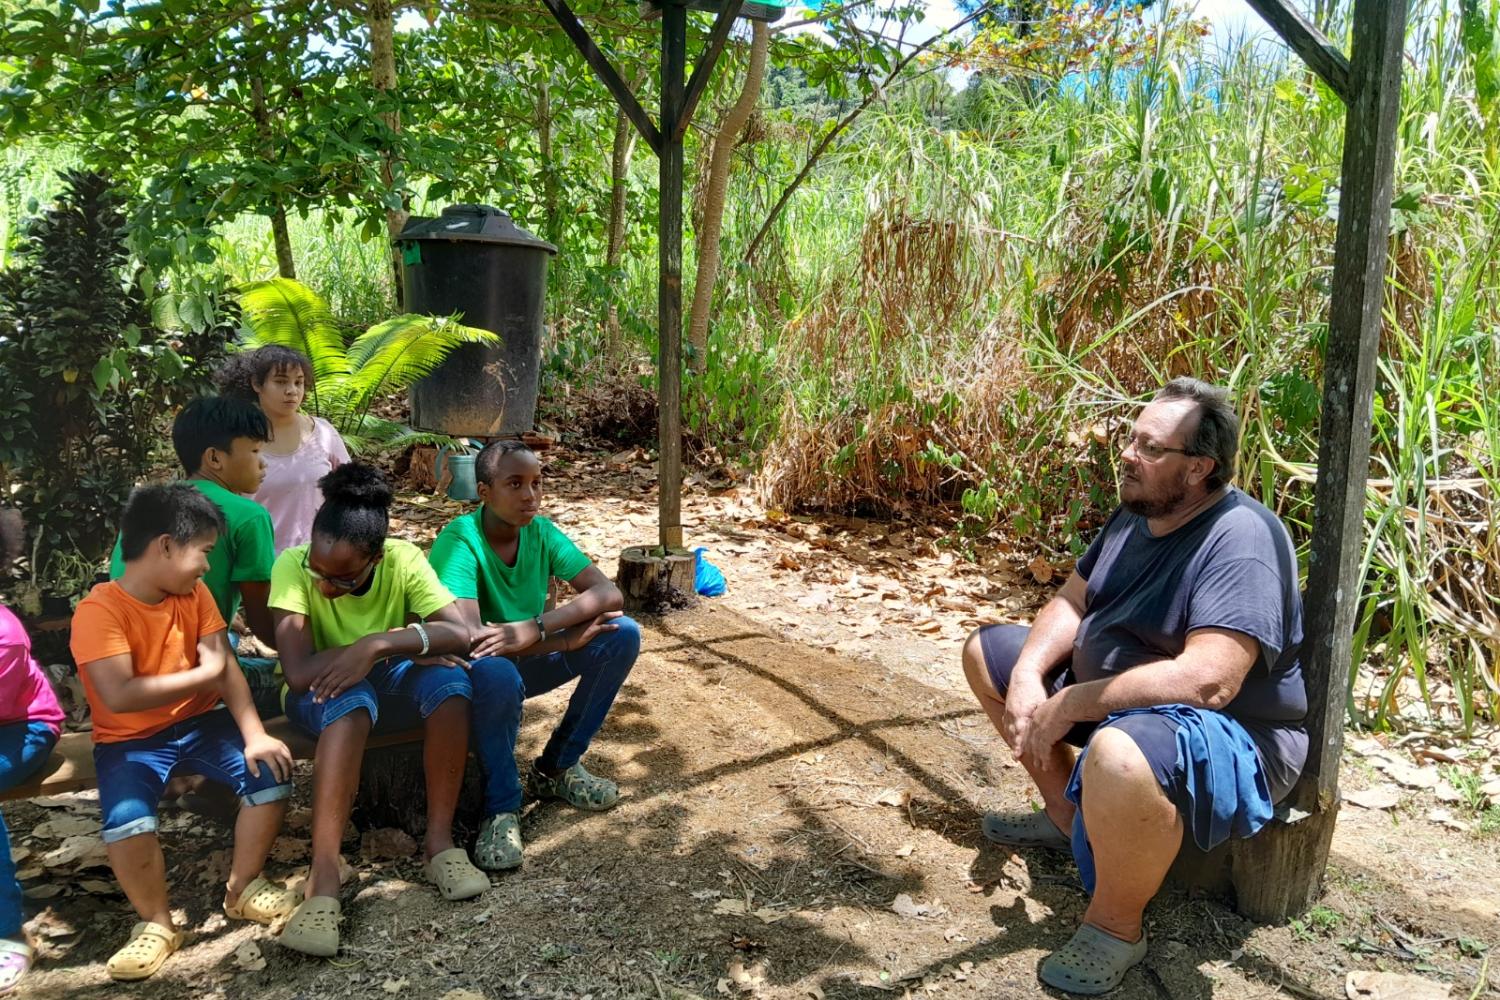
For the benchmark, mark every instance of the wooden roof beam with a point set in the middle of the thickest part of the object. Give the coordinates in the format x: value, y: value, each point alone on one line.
x: 606, y: 72
x: 1321, y: 55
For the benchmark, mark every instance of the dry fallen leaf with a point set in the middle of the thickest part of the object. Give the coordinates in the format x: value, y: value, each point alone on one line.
x: 1405, y: 773
x: 907, y: 907
x: 898, y: 797
x: 393, y: 985
x: 750, y: 978
x: 1041, y: 570
x: 248, y: 957
x: 904, y: 851
x: 81, y: 852
x: 1392, y: 986
x: 1379, y: 797
x: 461, y: 995
x: 731, y: 908
x: 66, y: 825
x: 49, y: 891
x: 1443, y: 817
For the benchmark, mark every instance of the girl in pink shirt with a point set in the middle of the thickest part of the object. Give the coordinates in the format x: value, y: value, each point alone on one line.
x: 30, y: 721
x: 302, y: 449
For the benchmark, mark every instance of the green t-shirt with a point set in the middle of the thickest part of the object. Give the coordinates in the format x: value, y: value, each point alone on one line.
x: 403, y: 584
x: 243, y: 555
x: 469, y: 567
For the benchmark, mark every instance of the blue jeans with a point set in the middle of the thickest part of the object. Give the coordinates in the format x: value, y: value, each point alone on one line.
x: 396, y: 694
x: 24, y: 747
x: 133, y: 773
x: 501, y: 684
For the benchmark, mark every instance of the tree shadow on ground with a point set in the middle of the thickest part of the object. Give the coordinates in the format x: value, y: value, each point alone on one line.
x: 735, y: 845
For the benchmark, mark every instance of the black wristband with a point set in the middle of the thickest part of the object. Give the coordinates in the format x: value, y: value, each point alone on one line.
x: 541, y: 629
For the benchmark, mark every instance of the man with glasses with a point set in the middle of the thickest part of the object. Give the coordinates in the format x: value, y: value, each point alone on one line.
x: 1170, y: 658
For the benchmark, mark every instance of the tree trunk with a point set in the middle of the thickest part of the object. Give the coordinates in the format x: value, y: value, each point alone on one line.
x: 619, y: 171
x: 730, y: 127
x: 280, y: 235
x: 544, y: 145
x: 381, y: 21
x: 652, y: 579
x: 285, y: 266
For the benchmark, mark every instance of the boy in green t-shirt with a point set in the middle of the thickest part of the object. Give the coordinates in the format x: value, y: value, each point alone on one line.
x: 497, y: 562
x: 218, y: 441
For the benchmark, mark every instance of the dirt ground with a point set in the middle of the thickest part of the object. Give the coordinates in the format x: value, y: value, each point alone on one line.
x: 803, y: 774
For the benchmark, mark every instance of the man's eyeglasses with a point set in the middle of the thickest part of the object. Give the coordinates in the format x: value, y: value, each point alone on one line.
x: 1150, y: 450
x: 339, y: 582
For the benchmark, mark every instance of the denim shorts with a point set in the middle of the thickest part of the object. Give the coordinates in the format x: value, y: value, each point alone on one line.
x: 397, y: 694
x: 133, y: 773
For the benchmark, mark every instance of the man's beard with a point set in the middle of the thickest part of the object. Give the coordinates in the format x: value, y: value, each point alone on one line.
x: 1160, y: 505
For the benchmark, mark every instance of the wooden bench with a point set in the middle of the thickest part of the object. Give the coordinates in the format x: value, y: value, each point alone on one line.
x: 71, y: 766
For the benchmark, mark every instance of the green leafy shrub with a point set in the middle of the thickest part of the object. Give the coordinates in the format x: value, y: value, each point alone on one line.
x: 349, y: 379
x: 86, y: 381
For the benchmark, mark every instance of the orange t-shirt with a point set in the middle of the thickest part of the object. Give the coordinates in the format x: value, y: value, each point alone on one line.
x: 160, y: 638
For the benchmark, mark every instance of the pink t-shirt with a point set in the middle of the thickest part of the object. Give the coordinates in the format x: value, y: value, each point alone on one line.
x: 25, y: 693
x: 290, y: 490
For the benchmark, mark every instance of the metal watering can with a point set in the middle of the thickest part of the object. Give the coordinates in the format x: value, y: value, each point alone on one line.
x: 460, y: 461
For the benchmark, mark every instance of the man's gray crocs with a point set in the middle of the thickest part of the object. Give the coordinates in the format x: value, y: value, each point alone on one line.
x: 1091, y: 962
x: 1030, y: 829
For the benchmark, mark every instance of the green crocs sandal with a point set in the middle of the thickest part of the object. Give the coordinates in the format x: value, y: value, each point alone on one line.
x: 498, y: 847
x: 576, y: 787
x: 1092, y: 962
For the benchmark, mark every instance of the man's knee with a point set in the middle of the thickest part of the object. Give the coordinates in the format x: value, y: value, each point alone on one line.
x: 976, y: 670
x: 1114, y: 760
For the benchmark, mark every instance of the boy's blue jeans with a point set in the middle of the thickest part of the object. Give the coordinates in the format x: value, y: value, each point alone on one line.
x: 133, y: 773
x: 501, y: 684
x: 24, y: 747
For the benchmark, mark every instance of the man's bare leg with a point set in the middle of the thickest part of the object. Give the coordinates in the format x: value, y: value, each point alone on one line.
x: 1050, y: 776
x: 1122, y: 796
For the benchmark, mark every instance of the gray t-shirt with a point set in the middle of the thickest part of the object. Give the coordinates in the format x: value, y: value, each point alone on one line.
x: 1231, y: 567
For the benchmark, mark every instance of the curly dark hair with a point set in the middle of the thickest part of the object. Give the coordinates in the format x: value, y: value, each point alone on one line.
x: 244, y: 371
x: 356, y: 507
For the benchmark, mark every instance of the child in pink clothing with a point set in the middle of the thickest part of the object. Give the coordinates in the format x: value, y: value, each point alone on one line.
x: 302, y: 449
x: 30, y: 721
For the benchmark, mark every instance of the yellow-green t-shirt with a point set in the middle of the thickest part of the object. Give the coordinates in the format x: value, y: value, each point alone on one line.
x: 403, y: 584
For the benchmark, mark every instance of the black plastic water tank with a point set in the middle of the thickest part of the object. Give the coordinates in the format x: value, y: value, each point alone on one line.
x: 475, y: 262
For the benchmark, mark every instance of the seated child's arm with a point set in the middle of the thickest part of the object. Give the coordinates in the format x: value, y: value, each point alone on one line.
x: 597, y: 600
x: 261, y: 750
x: 254, y: 595
x: 329, y: 672
x: 117, y: 685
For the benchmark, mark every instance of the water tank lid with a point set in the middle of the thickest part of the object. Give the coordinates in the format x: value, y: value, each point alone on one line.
x: 472, y: 224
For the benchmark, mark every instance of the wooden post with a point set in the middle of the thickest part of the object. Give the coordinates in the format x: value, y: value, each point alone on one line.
x: 677, y: 102
x: 669, y: 283
x: 1280, y: 872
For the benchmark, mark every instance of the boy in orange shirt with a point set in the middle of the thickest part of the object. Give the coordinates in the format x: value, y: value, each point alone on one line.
x: 155, y: 661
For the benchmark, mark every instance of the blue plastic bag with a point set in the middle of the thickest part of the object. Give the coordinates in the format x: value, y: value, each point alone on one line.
x: 708, y: 579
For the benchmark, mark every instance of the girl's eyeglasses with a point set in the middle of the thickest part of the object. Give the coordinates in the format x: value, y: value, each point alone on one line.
x: 339, y: 582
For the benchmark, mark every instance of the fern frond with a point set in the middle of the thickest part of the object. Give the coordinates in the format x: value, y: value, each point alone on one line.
x: 397, y: 352
x: 286, y: 312
x: 373, y: 435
